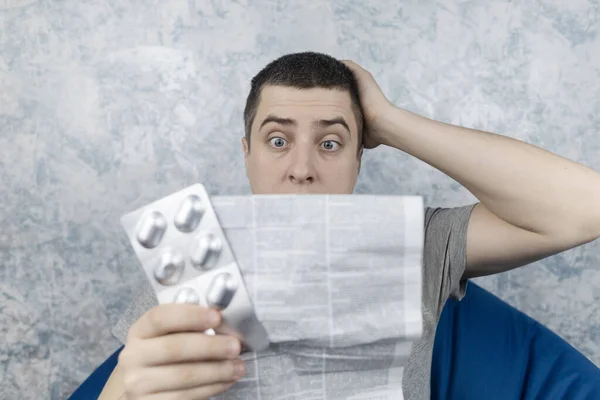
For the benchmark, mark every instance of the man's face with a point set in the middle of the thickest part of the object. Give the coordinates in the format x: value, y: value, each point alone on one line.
x: 303, y: 141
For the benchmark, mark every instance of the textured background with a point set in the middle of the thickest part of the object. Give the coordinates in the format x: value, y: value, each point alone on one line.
x: 107, y: 105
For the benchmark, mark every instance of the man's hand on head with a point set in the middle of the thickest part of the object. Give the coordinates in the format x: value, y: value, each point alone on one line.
x: 373, y: 102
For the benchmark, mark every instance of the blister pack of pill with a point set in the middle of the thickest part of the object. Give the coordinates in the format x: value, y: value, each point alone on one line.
x: 187, y: 259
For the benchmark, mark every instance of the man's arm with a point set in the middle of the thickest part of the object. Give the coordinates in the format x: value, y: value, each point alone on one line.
x: 533, y: 203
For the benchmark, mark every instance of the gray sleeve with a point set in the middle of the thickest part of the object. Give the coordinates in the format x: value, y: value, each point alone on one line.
x: 445, y: 255
x: 144, y: 300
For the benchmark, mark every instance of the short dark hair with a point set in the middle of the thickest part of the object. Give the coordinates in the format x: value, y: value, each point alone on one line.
x: 304, y: 70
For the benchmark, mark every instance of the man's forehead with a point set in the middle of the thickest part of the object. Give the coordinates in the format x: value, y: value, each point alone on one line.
x: 315, y: 104
x: 272, y: 96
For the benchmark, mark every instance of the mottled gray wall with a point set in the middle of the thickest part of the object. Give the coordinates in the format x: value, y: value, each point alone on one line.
x: 107, y: 105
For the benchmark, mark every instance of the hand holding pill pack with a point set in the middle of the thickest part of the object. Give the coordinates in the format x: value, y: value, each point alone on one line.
x: 186, y: 257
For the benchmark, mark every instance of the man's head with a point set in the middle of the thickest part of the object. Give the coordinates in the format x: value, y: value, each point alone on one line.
x: 303, y: 125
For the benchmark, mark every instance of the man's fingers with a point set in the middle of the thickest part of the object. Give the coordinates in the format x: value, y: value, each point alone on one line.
x: 170, y: 378
x: 359, y: 72
x: 172, y: 318
x: 350, y: 64
x: 353, y: 66
x: 181, y: 348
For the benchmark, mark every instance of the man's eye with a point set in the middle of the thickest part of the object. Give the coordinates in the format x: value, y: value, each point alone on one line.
x: 330, y: 145
x: 277, y: 142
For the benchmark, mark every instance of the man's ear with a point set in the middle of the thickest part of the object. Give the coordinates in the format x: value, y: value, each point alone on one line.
x: 246, y: 148
x: 360, y: 154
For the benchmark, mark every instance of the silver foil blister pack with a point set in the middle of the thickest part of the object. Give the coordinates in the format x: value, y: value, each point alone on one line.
x: 186, y: 257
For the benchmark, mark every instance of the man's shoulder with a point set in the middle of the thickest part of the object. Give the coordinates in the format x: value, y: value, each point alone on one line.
x: 445, y: 255
x: 440, y: 220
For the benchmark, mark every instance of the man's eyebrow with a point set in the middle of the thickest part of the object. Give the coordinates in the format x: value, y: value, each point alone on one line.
x: 325, y: 123
x: 322, y: 123
x: 278, y: 120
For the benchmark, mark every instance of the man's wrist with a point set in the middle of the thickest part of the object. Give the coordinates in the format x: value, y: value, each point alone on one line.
x: 393, y: 127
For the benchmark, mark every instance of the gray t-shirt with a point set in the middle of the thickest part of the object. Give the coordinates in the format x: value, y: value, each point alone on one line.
x: 444, y: 262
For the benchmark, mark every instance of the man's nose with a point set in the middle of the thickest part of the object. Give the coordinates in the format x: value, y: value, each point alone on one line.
x: 302, y: 169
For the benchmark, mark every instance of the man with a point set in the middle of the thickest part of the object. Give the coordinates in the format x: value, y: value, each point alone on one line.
x: 307, y: 119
